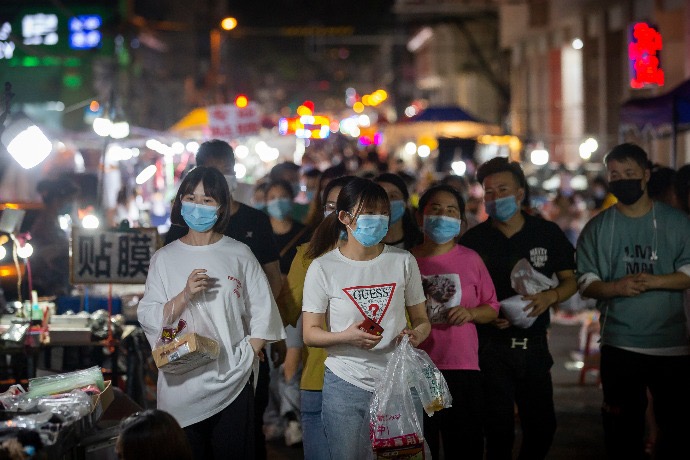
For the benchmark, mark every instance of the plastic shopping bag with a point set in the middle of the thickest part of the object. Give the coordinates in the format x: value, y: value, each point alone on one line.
x: 395, y: 431
x: 525, y: 280
x: 188, y: 343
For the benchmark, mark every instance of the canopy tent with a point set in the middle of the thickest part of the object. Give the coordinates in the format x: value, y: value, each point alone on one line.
x: 437, y: 122
x: 665, y: 114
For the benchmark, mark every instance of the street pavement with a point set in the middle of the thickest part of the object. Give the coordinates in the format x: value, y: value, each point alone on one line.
x: 578, y: 407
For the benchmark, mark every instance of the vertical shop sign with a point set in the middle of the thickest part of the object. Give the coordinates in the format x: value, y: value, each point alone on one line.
x: 109, y: 256
x: 644, y: 45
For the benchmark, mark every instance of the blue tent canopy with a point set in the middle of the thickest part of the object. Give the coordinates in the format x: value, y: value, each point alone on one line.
x: 444, y: 113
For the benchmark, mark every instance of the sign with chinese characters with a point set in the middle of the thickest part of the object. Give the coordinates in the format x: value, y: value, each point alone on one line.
x: 229, y: 121
x: 111, y: 256
x: 644, y: 45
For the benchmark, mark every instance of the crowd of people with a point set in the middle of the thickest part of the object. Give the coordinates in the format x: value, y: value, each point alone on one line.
x: 289, y: 281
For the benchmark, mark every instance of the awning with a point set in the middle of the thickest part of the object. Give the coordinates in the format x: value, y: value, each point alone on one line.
x: 665, y: 112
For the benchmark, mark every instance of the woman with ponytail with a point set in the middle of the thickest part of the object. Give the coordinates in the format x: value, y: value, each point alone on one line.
x: 361, y: 282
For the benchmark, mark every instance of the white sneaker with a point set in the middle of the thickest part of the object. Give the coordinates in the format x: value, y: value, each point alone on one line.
x: 293, y: 433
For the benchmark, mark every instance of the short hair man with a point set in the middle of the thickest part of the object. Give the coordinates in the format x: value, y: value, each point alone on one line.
x: 634, y: 258
x: 251, y: 227
x: 515, y: 362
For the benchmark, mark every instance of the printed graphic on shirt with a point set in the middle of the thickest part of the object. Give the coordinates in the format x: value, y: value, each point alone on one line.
x: 442, y: 293
x: 638, y: 259
x: 372, y: 301
x: 538, y: 257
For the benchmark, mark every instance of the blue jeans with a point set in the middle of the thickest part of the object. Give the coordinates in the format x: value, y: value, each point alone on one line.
x: 313, y: 434
x: 345, y: 416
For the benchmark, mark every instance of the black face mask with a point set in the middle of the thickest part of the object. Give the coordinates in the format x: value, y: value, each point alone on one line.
x: 628, y: 191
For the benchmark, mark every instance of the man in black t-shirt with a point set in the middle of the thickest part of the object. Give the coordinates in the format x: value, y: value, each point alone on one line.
x: 252, y: 228
x: 516, y: 362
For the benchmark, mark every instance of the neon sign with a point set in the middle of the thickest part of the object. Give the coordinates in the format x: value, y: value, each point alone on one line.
x: 84, y: 33
x: 644, y: 45
x: 40, y: 29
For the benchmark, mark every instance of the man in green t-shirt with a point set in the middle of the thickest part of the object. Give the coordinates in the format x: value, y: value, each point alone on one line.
x: 634, y: 258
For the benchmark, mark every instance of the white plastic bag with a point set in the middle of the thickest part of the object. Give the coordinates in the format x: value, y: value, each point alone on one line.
x: 525, y: 280
x: 189, y: 342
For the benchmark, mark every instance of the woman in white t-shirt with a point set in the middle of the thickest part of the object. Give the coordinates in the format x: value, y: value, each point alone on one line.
x: 363, y: 282
x: 214, y: 403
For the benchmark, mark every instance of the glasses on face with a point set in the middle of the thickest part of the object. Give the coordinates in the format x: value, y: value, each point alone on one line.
x: 329, y: 207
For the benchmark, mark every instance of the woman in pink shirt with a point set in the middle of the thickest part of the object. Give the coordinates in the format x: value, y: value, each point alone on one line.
x: 459, y: 294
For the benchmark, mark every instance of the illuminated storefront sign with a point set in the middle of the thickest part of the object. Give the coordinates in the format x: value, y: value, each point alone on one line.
x: 305, y: 126
x: 644, y: 45
x: 7, y: 46
x: 40, y: 29
x: 33, y: 36
x: 84, y: 33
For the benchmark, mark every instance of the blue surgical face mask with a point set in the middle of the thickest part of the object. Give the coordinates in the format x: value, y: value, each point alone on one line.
x: 502, y: 209
x: 260, y: 205
x: 199, y: 217
x: 371, y: 228
x: 441, y: 229
x: 280, y: 208
x: 397, y: 210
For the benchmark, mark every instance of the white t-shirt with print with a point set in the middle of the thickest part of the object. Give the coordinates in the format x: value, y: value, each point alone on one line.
x: 348, y: 290
x: 239, y: 305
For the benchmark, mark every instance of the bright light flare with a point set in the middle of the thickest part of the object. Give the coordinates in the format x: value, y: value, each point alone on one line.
x: 26, y: 143
x: 241, y: 151
x: 228, y: 23
x: 25, y: 251
x: 119, y: 130
x: 90, y: 222
x: 102, y: 126
x: 539, y: 157
x: 146, y: 174
x: 459, y: 167
x: 578, y: 44
x: 240, y: 170
x: 423, y: 151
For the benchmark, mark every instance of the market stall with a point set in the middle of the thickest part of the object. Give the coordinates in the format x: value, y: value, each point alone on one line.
x: 54, y: 413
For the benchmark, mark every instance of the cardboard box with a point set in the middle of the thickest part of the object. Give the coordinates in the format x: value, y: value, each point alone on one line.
x: 185, y: 353
x: 102, y: 401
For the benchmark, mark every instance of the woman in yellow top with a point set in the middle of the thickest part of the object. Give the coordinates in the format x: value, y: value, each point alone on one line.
x: 313, y: 435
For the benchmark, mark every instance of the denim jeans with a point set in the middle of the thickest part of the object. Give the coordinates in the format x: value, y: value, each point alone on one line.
x: 346, y: 417
x: 314, y: 439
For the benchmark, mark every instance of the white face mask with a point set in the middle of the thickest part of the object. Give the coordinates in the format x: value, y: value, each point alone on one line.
x: 232, y: 183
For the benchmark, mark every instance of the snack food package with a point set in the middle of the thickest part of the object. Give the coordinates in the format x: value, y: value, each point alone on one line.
x: 185, y: 353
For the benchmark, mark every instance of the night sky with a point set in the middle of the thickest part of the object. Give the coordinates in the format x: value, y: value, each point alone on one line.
x: 275, y: 13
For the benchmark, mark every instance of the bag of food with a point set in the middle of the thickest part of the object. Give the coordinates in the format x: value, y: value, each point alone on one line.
x: 188, y: 343
x: 395, y: 431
